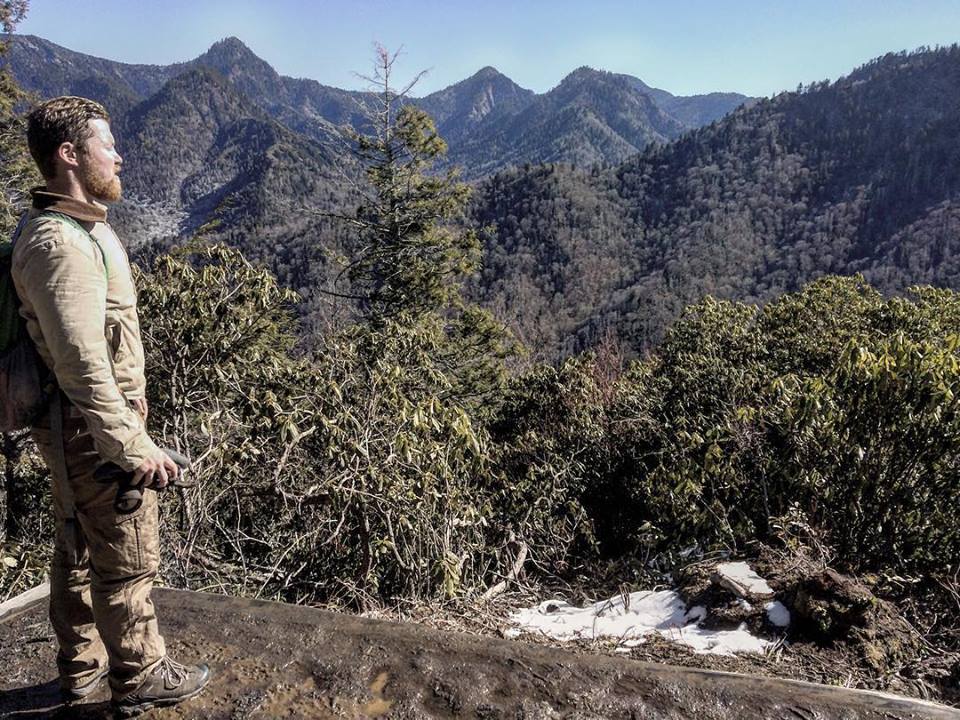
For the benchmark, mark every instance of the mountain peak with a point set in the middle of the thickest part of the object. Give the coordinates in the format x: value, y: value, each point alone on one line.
x: 252, y: 75
x: 230, y: 52
x: 586, y: 76
x: 488, y: 72
x: 489, y: 75
x: 231, y: 43
x: 487, y: 92
x: 585, y: 71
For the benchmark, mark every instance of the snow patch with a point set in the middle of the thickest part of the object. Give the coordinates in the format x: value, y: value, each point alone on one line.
x: 777, y: 613
x: 630, y: 618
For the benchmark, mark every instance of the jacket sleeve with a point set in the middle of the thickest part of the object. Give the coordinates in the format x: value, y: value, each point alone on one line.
x: 129, y: 362
x: 65, y: 285
x: 128, y: 366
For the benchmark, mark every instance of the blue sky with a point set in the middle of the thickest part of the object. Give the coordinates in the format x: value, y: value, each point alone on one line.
x: 684, y: 46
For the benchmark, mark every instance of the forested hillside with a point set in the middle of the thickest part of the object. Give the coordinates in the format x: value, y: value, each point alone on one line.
x: 860, y: 175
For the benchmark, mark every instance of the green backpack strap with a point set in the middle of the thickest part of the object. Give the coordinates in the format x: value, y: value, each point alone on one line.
x: 12, y: 326
x: 63, y: 217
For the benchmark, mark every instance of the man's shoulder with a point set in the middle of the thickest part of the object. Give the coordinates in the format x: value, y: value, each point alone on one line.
x: 48, y: 234
x: 104, y: 232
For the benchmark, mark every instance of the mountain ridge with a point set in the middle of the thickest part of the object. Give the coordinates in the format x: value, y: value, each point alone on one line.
x: 857, y: 175
x: 828, y: 180
x: 483, y: 111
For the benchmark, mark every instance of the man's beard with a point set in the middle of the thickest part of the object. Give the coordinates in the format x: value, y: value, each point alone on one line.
x: 101, y: 189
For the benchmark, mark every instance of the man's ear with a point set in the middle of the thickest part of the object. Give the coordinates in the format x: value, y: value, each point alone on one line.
x: 67, y: 154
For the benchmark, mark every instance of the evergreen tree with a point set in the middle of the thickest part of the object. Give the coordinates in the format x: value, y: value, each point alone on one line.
x: 17, y: 171
x: 415, y: 253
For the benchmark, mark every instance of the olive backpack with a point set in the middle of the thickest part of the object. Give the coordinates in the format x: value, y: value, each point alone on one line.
x: 26, y: 384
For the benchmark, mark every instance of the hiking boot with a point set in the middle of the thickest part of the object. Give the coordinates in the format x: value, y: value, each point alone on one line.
x: 167, y: 683
x: 75, y: 693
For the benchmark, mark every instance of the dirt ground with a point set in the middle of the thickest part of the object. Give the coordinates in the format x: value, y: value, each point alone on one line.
x: 282, y: 661
x: 842, y: 633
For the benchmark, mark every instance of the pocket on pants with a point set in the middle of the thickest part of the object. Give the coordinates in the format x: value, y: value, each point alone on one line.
x: 123, y: 545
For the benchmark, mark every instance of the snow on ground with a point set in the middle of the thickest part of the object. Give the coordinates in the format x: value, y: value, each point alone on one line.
x: 777, y: 613
x: 630, y: 618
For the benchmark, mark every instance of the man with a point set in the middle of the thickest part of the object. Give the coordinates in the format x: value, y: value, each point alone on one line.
x: 73, y: 278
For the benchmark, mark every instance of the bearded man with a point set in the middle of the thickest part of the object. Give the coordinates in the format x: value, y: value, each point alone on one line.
x: 73, y: 278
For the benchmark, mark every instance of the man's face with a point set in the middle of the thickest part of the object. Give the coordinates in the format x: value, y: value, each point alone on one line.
x: 100, y: 163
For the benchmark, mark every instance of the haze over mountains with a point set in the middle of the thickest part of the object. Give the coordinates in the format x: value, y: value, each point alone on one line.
x: 614, y: 204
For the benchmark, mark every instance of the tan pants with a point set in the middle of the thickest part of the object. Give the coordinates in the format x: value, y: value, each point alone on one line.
x: 103, y: 568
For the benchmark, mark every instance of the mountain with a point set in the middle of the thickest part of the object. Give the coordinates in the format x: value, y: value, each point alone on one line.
x: 200, y: 158
x: 692, y: 110
x: 589, y: 117
x: 488, y: 120
x: 248, y: 74
x: 483, y: 98
x: 50, y: 70
x: 304, y: 106
x: 170, y: 137
x: 592, y: 116
x: 209, y: 123
x: 859, y: 175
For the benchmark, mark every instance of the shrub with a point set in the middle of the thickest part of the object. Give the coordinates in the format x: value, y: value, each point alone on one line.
x: 830, y: 402
x: 872, y: 450
x: 346, y: 476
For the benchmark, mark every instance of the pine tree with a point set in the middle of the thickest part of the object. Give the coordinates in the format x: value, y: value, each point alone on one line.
x: 415, y: 254
x: 17, y: 171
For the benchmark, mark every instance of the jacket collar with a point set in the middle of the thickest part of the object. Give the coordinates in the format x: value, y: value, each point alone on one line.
x: 77, y: 209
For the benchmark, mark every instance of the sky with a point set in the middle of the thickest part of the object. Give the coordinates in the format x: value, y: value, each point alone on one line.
x: 687, y: 47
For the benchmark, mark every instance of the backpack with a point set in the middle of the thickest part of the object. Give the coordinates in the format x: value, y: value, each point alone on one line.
x: 26, y: 384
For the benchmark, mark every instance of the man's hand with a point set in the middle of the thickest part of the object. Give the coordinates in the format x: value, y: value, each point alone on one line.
x: 140, y: 405
x: 156, y: 471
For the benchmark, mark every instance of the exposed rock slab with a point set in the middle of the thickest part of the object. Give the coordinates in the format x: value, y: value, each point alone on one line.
x: 273, y: 660
x: 740, y: 579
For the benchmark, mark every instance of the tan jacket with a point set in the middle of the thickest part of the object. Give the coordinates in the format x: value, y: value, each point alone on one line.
x: 84, y: 322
